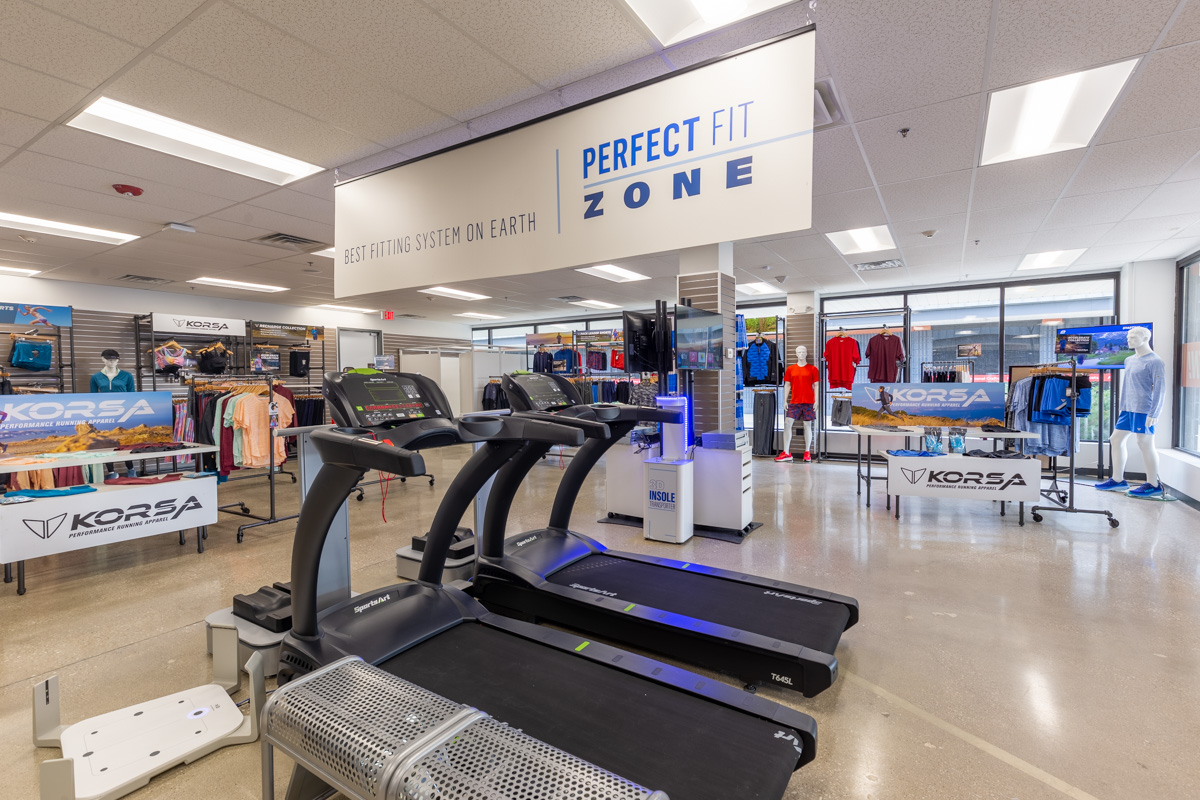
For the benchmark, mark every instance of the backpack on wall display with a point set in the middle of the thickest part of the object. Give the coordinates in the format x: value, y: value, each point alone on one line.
x: 32, y: 355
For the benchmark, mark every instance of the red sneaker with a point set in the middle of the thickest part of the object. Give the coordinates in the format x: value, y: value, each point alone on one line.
x: 784, y: 457
x: 807, y: 457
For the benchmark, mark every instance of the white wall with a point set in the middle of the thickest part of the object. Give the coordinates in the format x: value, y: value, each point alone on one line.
x: 140, y: 301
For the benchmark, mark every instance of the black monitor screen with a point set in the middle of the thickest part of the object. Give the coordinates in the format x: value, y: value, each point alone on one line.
x: 640, y: 352
x: 544, y: 393
x: 699, y: 338
x: 383, y: 398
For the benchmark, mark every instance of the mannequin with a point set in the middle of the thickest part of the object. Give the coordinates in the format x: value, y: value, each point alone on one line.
x: 801, y: 377
x: 1141, y: 404
x: 111, y: 378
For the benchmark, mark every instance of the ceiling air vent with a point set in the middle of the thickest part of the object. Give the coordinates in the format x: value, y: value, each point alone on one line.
x: 144, y: 280
x: 571, y: 298
x: 872, y: 266
x: 826, y: 112
x: 409, y: 316
x: 289, y: 242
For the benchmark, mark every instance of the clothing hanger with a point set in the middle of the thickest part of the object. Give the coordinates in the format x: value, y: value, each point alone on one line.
x: 29, y: 337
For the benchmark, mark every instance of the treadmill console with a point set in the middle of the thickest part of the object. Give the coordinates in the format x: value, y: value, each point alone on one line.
x: 541, y: 392
x: 382, y: 399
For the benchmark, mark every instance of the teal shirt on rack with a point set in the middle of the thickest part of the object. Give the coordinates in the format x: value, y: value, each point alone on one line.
x: 121, y: 382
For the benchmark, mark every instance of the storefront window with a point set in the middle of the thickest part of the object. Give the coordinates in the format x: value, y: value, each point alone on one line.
x: 510, y: 337
x: 955, y: 332
x: 1189, y: 391
x: 479, y: 336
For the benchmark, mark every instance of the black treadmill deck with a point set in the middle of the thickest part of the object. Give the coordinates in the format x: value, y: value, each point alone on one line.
x: 670, y: 741
x: 746, y: 606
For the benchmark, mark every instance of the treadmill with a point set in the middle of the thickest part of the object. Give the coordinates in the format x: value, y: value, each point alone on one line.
x: 757, y: 630
x: 651, y: 723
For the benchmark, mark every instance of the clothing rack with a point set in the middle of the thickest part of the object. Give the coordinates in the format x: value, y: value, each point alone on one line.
x: 242, y: 510
x: 144, y: 333
x: 963, y: 366
x: 779, y: 337
x: 825, y: 395
x: 1053, y: 493
x: 52, y: 334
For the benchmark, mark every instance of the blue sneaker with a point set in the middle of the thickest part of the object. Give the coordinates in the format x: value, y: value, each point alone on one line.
x: 1148, y: 491
x: 1113, y: 486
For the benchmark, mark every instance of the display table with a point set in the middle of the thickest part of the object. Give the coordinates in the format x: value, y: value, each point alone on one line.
x: 112, y: 513
x: 960, y: 477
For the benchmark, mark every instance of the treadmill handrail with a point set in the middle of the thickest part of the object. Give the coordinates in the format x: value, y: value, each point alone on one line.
x: 591, y: 428
x: 577, y: 471
x: 366, y: 451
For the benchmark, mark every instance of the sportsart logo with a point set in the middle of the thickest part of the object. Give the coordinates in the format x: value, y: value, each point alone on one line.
x: 960, y: 397
x: 660, y: 497
x: 372, y: 604
x: 120, y: 410
x: 198, y: 325
x: 795, y: 597
x: 524, y: 542
x: 45, y: 528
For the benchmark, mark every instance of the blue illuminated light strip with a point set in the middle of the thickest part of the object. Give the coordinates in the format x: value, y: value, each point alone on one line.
x: 557, y: 192
x: 674, y: 164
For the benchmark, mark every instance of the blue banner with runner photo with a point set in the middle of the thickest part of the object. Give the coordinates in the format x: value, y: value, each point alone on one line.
x: 966, y: 404
x: 35, y: 316
x: 66, y: 423
x: 1098, y: 346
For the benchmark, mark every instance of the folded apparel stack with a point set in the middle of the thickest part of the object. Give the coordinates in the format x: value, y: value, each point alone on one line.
x: 914, y: 454
x: 1007, y: 454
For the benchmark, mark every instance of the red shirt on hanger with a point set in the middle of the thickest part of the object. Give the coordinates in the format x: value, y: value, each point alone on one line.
x: 841, y: 357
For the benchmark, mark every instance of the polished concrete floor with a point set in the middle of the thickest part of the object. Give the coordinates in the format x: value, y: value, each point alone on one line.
x: 1054, y: 660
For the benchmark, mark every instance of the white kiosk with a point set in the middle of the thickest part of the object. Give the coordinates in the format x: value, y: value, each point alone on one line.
x: 667, y: 486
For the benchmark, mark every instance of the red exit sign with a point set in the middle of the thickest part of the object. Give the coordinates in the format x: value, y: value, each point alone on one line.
x: 388, y: 315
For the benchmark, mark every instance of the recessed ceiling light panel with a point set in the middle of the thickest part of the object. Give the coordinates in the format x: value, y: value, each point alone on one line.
x: 480, y: 316
x: 20, y: 223
x: 146, y: 129
x: 600, y: 304
x: 1051, y: 116
x: 672, y: 21
x: 228, y: 284
x: 19, y: 271
x: 611, y: 272
x: 458, y: 294
x: 332, y: 307
x: 1050, y: 259
x: 862, y: 240
x: 758, y: 287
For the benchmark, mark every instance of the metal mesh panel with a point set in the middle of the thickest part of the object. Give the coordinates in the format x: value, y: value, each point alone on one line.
x: 493, y: 761
x: 347, y: 721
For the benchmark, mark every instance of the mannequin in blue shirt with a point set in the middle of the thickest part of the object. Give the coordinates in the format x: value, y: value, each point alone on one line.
x: 113, y: 379
x: 1144, y: 390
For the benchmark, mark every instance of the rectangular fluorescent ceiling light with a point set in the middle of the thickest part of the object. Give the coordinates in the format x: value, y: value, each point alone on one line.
x: 611, y: 272
x: 328, y: 252
x: 458, y: 294
x: 862, y: 240
x: 19, y: 271
x: 49, y: 226
x: 1051, y: 116
x: 594, y: 304
x: 332, y: 307
x: 673, y: 21
x: 1050, y: 259
x: 757, y: 287
x: 249, y: 287
x: 480, y: 316
x: 146, y: 129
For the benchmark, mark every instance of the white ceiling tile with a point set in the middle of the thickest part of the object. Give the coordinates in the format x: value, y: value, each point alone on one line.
x: 1140, y: 162
x: 1073, y: 212
x: 173, y: 90
x: 15, y: 189
x: 277, y: 222
x: 613, y: 80
x: 941, y: 139
x: 35, y: 37
x: 1170, y: 199
x: 1162, y: 99
x: 229, y: 230
x: 6, y: 151
x: 516, y: 114
x: 928, y: 197
x: 1067, y: 238
x: 319, y: 185
x: 362, y: 166
x: 1186, y: 28
x: 141, y: 163
x: 1112, y: 254
x: 821, y: 67
x: 409, y: 48
x: 991, y: 246
x: 36, y: 95
x: 1172, y: 248
x: 846, y: 210
x: 738, y: 35
x: 888, y: 57
x: 989, y: 266
x: 297, y: 204
x: 1006, y: 221
x: 838, y: 165
x: 432, y: 143
x: 752, y: 256
x: 1148, y: 230
x: 40, y: 167
x: 801, y: 248
x: 551, y: 42
x: 241, y: 49
x: 17, y: 202
x: 910, y: 233
x: 1024, y: 180
x: 139, y: 21
x: 55, y: 246
x: 17, y: 129
x: 1036, y: 40
x: 933, y: 254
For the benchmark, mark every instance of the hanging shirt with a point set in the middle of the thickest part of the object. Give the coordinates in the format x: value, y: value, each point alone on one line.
x: 121, y: 382
x: 543, y: 361
x: 618, y: 359
x: 760, y: 363
x: 802, y: 377
x: 567, y: 359
x: 841, y: 357
x: 1145, y: 385
x: 884, y: 352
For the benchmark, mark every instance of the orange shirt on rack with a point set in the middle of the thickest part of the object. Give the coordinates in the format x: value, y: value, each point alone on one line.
x: 252, y: 417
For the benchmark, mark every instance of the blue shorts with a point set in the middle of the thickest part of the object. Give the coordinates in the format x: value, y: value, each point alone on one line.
x: 1133, y: 422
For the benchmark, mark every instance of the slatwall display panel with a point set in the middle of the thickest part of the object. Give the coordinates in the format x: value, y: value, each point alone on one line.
x: 394, y: 342
x: 713, y: 398
x: 97, y: 331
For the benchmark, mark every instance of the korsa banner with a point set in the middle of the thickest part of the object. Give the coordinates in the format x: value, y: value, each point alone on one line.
x: 717, y: 153
x: 182, y: 323
x: 963, y: 477
x: 935, y: 404
x: 65, y: 423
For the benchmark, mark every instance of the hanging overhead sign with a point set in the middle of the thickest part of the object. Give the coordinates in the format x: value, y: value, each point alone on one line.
x: 33, y: 315
x: 716, y: 153
x: 183, y: 323
x: 278, y: 330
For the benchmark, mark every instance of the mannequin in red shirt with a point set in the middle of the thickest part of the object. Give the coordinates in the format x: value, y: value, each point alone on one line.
x: 800, y: 378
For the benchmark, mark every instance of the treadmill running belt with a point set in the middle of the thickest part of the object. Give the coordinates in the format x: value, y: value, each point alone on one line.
x: 738, y: 605
x: 656, y: 736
